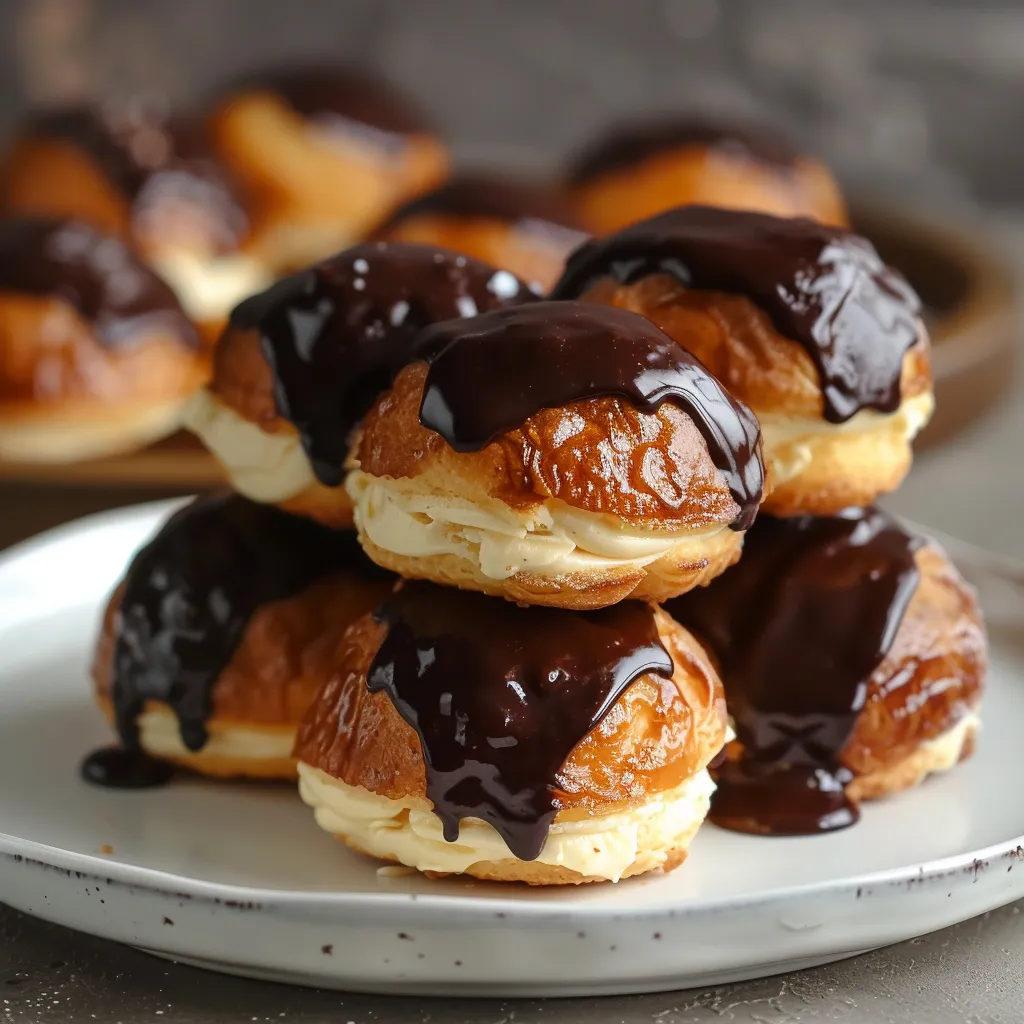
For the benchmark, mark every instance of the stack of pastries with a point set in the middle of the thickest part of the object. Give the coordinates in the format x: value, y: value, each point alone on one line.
x: 526, y: 588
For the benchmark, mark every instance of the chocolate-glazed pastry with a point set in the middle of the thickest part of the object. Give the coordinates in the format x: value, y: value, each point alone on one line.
x: 641, y: 168
x: 830, y: 635
x: 556, y: 453
x: 802, y: 321
x: 303, y: 361
x: 525, y: 227
x: 494, y: 726
x: 213, y: 629
x: 133, y: 168
x: 96, y: 354
x: 326, y: 153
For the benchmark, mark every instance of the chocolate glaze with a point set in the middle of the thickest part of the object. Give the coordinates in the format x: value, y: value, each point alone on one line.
x: 797, y: 627
x: 821, y: 286
x: 153, y: 158
x: 550, y: 354
x: 501, y: 694
x: 329, y: 94
x: 188, y: 597
x: 481, y: 195
x: 631, y: 144
x: 98, y: 275
x: 335, y: 334
x: 118, y: 768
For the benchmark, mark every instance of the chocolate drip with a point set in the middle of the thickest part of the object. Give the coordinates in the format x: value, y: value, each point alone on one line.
x: 188, y: 597
x: 153, y: 158
x: 336, y: 334
x: 329, y: 93
x: 494, y: 372
x: 631, y: 144
x: 98, y: 275
x: 501, y: 694
x: 798, y: 626
x: 479, y: 195
x: 118, y: 768
x: 821, y: 286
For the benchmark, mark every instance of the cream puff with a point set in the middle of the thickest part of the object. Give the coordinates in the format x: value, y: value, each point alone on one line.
x: 134, y: 170
x: 96, y: 354
x: 215, y: 642
x: 802, y: 322
x: 520, y: 226
x: 302, y: 362
x: 640, y: 169
x: 326, y: 153
x: 459, y: 734
x: 556, y: 453
x: 853, y: 658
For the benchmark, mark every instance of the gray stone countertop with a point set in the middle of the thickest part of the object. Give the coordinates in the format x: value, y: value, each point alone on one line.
x: 973, y: 973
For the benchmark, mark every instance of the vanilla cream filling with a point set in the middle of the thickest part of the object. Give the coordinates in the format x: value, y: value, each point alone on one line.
x: 788, y: 441
x: 603, y: 845
x: 551, y: 539
x: 262, y: 466
x: 209, y: 289
x: 944, y: 751
x: 160, y: 736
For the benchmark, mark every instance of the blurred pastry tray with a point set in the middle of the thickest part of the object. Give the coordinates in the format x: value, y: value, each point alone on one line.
x: 969, y: 291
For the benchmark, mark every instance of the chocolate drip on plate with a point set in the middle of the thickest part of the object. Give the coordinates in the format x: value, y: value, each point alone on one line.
x: 493, y: 373
x: 822, y: 287
x: 187, y: 599
x: 631, y: 144
x: 797, y: 627
x: 501, y: 694
x: 98, y: 275
x: 336, y: 334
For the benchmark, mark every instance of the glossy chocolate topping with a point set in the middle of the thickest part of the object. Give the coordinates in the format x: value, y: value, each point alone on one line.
x: 189, y: 594
x: 631, y: 144
x: 821, y: 286
x: 153, y: 158
x: 329, y: 94
x: 501, y: 694
x: 494, y: 372
x: 336, y: 334
x: 98, y: 275
x: 484, y: 196
x: 797, y: 627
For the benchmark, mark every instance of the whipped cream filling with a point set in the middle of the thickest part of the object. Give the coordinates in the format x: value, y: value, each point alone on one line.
x: 209, y: 289
x: 160, y: 736
x: 944, y: 751
x: 602, y: 845
x: 551, y: 539
x: 788, y: 440
x: 261, y: 466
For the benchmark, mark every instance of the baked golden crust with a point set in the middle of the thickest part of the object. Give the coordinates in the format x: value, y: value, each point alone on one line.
x: 660, y: 733
x: 707, y: 176
x: 281, y: 661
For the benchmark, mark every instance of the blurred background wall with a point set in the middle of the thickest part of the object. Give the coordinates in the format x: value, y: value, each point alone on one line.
x: 921, y: 94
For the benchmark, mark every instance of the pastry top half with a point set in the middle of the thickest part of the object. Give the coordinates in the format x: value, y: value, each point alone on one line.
x: 594, y: 407
x: 83, y: 322
x: 643, y: 167
x: 847, y: 646
x: 514, y: 716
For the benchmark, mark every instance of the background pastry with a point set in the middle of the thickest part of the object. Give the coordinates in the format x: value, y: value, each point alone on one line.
x: 302, y: 362
x: 326, y: 153
x: 214, y: 644
x: 802, y: 322
x: 524, y: 227
x: 96, y: 354
x: 460, y: 734
x: 853, y: 657
x: 133, y: 170
x: 643, y: 168
x: 556, y: 453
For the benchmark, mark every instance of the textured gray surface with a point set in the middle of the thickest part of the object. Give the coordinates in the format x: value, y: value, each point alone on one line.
x: 971, y: 974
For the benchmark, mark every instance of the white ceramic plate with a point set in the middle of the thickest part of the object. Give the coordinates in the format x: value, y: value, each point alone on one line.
x: 239, y: 878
